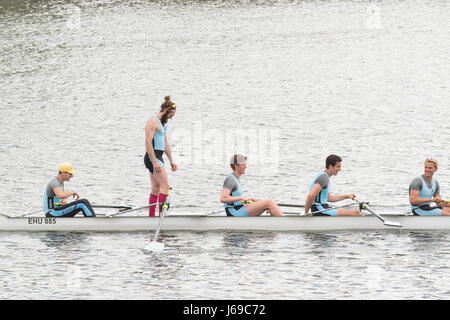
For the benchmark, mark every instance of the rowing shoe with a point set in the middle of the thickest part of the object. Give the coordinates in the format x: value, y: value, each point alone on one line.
x: 364, y: 205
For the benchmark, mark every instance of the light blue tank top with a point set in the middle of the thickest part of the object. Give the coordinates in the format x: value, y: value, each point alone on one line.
x: 237, y: 193
x: 426, y: 192
x: 322, y: 197
x: 159, y: 137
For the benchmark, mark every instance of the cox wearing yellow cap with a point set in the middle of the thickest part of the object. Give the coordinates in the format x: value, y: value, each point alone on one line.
x: 67, y: 167
x: 55, y: 197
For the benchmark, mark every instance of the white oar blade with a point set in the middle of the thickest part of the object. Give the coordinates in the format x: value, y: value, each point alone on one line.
x: 392, y: 224
x: 154, y: 246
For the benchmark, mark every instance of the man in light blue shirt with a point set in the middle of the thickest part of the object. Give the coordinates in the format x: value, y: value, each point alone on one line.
x: 424, y: 190
x: 319, y: 196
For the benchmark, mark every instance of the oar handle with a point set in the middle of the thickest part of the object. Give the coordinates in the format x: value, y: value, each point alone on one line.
x: 362, y: 205
x: 105, y: 206
x: 291, y: 205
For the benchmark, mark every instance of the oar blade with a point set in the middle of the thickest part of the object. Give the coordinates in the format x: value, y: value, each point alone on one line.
x: 154, y: 246
x: 392, y: 224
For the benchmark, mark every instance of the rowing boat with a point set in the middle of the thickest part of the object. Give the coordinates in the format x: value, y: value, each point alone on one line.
x: 185, y: 222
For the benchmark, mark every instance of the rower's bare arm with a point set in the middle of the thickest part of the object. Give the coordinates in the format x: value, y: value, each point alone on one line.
x: 62, y: 194
x: 150, y: 129
x: 311, y: 196
x: 225, y: 196
x: 415, y: 200
x: 336, y: 198
x: 169, y: 154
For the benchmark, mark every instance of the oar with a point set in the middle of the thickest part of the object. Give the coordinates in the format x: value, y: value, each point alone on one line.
x: 291, y: 205
x: 34, y: 212
x: 111, y: 206
x: 343, y: 206
x: 386, y: 222
x: 156, y: 246
x: 130, y: 210
x: 302, y: 206
x: 376, y: 205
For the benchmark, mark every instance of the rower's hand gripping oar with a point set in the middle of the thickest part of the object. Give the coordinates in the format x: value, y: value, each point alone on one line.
x: 156, y: 246
x: 365, y: 206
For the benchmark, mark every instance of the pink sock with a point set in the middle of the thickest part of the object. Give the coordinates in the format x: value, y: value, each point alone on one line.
x: 161, y: 199
x: 152, y: 200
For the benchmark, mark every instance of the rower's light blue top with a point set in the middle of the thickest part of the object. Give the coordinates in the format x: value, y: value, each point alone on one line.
x: 159, y: 136
x: 322, y: 197
x: 426, y: 192
x: 236, y: 193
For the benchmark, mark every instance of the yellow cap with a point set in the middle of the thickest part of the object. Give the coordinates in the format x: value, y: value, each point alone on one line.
x: 67, y: 167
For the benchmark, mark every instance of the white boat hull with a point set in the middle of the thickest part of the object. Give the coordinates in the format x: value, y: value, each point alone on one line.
x: 217, y: 223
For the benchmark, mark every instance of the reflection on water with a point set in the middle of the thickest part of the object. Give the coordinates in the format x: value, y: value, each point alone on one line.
x: 65, y: 240
x: 324, y: 240
x: 247, y: 239
x: 236, y: 240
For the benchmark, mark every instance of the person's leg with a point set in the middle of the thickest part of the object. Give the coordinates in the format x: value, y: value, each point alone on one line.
x: 343, y: 212
x: 258, y: 207
x: 153, y: 198
x: 320, y: 210
x: 446, y: 211
x: 163, y: 181
x: 85, y: 207
x: 154, y: 181
x: 71, y: 209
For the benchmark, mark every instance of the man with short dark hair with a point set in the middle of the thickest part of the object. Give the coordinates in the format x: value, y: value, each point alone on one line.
x: 237, y: 205
x: 319, y: 196
x: 55, y: 197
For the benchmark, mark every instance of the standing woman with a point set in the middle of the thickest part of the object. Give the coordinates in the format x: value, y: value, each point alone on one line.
x: 156, y: 144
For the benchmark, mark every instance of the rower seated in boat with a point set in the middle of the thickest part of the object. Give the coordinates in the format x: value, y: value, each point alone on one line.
x: 424, y: 190
x: 232, y: 194
x: 55, y: 197
x: 318, y: 196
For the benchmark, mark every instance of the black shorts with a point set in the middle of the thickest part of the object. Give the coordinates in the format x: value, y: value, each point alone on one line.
x: 236, y: 211
x: 427, y: 210
x: 331, y: 212
x: 159, y: 157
